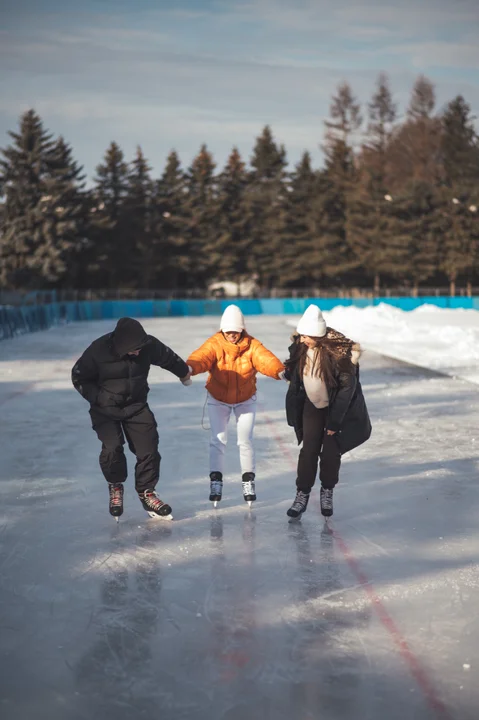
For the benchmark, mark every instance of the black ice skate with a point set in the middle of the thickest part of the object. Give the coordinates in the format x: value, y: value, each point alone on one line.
x: 326, y: 499
x: 154, y: 506
x: 116, y: 499
x: 249, y: 490
x: 299, y: 505
x: 216, y: 487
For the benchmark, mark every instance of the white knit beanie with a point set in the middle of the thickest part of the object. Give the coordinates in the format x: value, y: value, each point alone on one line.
x: 232, y: 320
x: 312, y: 322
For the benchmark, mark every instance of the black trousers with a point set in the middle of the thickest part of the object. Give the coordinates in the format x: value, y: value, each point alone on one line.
x: 142, y: 436
x: 317, y: 447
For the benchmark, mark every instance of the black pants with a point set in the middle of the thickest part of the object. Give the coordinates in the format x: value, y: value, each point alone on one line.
x: 142, y: 436
x: 317, y: 446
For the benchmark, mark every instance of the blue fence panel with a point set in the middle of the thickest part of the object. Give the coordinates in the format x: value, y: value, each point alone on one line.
x: 465, y: 303
x: 24, y: 319
x: 161, y: 308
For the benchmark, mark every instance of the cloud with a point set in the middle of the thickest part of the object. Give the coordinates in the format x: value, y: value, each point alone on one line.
x: 440, y: 54
x: 218, y: 71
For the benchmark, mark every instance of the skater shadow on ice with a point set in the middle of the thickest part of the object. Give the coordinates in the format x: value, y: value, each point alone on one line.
x: 117, y: 675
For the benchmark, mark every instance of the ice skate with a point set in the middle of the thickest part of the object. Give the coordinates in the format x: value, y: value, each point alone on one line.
x: 116, y: 499
x: 216, y: 487
x: 249, y: 490
x: 154, y: 506
x: 326, y: 499
x: 299, y: 505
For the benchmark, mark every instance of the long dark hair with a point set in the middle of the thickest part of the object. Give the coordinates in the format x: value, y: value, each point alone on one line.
x: 332, y: 356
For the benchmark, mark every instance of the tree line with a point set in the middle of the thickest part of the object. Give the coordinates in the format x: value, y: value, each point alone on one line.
x: 395, y: 203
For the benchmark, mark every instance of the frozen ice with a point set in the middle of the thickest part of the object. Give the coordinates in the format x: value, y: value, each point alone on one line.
x: 235, y: 614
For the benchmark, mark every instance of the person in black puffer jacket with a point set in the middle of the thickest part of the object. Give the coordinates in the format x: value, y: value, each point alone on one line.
x: 112, y: 375
x: 324, y: 404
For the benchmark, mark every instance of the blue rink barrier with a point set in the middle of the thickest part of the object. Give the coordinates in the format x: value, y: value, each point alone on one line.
x: 18, y: 320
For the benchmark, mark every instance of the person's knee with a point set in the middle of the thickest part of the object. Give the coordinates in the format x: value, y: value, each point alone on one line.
x: 112, y: 450
x: 245, y: 443
x: 219, y: 440
x: 152, y: 456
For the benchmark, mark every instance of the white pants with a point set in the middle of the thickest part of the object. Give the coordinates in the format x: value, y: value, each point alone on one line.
x: 219, y: 414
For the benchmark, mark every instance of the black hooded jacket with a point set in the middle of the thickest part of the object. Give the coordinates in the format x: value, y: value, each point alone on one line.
x: 347, y: 413
x: 115, y: 383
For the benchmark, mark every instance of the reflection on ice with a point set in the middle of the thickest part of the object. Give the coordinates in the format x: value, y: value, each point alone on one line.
x: 229, y: 614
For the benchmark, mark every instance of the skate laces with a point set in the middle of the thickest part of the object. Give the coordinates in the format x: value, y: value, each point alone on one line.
x: 216, y: 487
x: 327, y: 498
x: 152, y: 500
x: 248, y: 487
x: 116, y: 495
x: 300, y: 501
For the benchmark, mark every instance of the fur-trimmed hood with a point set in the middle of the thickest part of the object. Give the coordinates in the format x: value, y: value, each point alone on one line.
x: 347, y: 347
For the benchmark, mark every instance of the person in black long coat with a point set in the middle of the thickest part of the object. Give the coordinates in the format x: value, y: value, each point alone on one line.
x: 325, y: 406
x: 112, y: 375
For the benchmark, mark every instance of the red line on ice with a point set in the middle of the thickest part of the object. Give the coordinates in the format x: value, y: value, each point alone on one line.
x: 415, y: 668
x: 17, y: 393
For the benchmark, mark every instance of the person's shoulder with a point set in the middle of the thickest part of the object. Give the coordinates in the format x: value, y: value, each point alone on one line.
x: 152, y: 340
x: 332, y: 334
x: 213, y: 341
x: 295, y: 341
x: 101, y: 342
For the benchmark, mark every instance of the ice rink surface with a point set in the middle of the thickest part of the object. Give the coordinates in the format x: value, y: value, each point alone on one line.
x: 235, y: 614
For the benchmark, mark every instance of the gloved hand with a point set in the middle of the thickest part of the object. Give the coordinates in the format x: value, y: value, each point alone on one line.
x: 187, y: 379
x: 282, y: 375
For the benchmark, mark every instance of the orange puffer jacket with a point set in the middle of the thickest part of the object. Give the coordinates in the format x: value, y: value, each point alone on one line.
x: 232, y: 367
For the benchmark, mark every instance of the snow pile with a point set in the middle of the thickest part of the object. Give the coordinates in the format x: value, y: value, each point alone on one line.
x: 443, y: 340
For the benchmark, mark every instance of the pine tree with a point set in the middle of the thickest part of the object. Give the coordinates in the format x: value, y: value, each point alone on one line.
x: 459, y: 146
x: 201, y: 213
x: 414, y: 149
x: 266, y: 193
x: 413, y: 226
x: 459, y: 195
x: 458, y: 237
x: 301, y: 256
x: 345, y: 115
x: 231, y: 250
x: 172, y: 260
x: 331, y: 211
x: 139, y: 221
x: 23, y: 170
x: 336, y: 182
x: 109, y: 261
x: 64, y: 219
x: 377, y: 249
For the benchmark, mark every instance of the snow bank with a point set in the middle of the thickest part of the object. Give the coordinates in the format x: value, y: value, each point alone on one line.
x: 443, y: 340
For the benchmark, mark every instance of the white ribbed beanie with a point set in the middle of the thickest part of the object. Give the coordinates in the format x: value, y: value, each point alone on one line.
x: 312, y: 322
x: 232, y: 320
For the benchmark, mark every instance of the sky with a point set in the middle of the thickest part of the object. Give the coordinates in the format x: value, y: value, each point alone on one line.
x: 173, y: 75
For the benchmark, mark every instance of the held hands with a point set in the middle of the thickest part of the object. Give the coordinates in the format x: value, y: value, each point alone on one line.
x: 187, y: 379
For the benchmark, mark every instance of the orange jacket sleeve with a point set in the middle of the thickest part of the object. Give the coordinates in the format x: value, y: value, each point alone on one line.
x: 265, y: 362
x: 202, y: 359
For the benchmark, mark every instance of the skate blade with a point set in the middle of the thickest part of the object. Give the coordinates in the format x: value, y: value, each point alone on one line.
x: 159, y: 517
x: 215, y: 503
x: 250, y: 504
x: 117, y: 519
